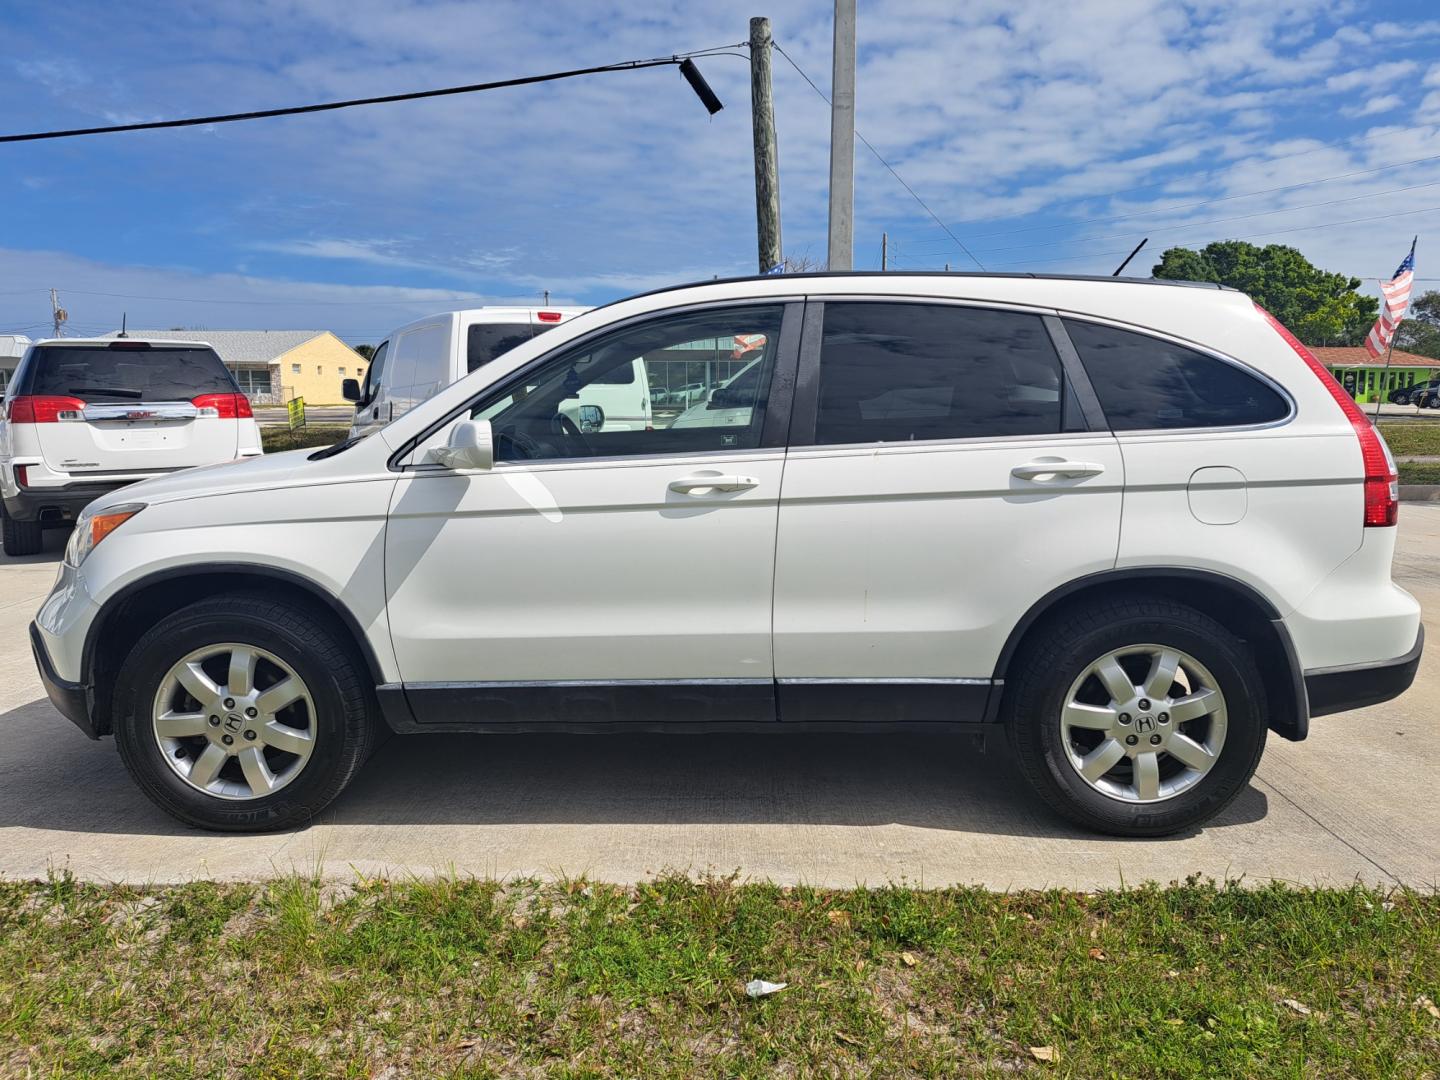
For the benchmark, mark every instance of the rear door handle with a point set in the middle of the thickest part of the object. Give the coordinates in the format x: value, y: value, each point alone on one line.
x: 1056, y: 470
x: 699, y: 485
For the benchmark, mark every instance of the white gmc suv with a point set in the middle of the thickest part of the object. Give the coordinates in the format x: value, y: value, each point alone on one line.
x: 85, y: 416
x: 1134, y: 524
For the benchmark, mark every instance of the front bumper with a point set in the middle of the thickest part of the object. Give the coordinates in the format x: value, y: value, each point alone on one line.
x: 72, y: 699
x: 1354, y: 686
x: 56, y: 504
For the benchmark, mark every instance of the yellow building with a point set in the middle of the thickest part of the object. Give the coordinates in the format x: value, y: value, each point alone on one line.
x: 274, y: 366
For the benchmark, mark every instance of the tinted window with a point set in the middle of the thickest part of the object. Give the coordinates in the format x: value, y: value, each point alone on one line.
x: 1144, y: 383
x: 899, y: 372
x: 126, y: 373
x: 580, y: 403
x: 486, y: 341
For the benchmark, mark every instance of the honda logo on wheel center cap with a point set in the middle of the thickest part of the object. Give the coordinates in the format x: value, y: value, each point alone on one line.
x: 233, y: 723
x: 1142, y: 723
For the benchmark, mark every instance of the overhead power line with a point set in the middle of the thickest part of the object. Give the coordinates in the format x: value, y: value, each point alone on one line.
x: 880, y: 158
x: 1248, y: 236
x: 1220, y: 221
x: 1069, y: 223
x: 677, y: 59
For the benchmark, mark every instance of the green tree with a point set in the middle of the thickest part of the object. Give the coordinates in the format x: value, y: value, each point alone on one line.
x: 1419, y: 332
x: 1321, y: 308
x: 367, y: 351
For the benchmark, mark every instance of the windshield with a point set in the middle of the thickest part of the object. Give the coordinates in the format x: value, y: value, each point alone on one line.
x: 129, y: 372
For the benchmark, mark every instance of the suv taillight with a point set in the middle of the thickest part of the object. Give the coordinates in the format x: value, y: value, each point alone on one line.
x: 44, y: 410
x: 224, y: 406
x: 1382, y: 484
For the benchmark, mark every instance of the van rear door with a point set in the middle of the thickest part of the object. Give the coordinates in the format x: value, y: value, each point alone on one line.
x: 130, y: 407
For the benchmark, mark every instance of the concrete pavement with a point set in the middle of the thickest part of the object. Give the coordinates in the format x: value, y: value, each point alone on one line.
x: 1355, y: 801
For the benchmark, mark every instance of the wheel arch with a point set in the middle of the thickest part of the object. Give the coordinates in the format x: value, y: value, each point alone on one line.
x: 142, y: 602
x: 1230, y: 601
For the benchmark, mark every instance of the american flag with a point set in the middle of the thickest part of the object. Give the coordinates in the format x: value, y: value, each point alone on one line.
x: 1397, y: 301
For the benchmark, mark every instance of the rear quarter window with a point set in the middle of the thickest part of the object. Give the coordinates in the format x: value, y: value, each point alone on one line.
x: 1146, y: 384
x: 106, y: 374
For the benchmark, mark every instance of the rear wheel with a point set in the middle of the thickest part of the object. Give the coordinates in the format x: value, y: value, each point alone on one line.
x: 242, y: 714
x: 1137, y: 717
x: 20, y: 537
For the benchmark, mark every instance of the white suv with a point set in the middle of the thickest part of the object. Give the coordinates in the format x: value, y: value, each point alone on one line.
x: 1136, y: 525
x: 83, y: 417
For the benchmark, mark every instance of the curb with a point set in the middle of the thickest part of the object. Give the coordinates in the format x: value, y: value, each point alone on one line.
x: 1420, y: 492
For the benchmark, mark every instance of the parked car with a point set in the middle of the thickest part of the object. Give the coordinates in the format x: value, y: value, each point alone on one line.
x: 1133, y: 526
x: 1426, y: 396
x: 83, y: 417
x: 420, y: 359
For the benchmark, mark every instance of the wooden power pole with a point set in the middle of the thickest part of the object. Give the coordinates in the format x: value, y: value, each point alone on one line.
x: 767, y: 165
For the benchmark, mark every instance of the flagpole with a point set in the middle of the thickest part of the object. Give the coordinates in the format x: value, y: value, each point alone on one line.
x: 1385, y: 374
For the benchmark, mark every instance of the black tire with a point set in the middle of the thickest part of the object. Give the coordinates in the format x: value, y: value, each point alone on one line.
x: 20, y: 537
x: 344, y: 723
x: 1059, y: 654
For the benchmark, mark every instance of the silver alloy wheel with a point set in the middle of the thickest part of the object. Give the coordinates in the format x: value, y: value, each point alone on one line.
x: 234, y: 721
x: 1144, y: 723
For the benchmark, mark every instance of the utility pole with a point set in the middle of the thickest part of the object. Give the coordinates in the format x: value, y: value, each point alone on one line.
x: 58, y: 315
x: 767, y: 165
x: 842, y: 139
x: 884, y: 251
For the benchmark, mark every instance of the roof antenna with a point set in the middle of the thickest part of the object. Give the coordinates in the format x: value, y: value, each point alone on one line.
x: 1132, y: 254
x: 547, y: 297
x: 124, y: 315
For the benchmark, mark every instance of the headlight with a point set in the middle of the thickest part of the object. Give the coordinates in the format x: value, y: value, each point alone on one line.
x: 91, y: 528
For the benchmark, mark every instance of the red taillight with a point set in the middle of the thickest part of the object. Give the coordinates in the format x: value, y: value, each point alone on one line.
x: 22, y: 475
x: 549, y: 316
x: 44, y: 410
x: 225, y: 406
x: 1382, y: 491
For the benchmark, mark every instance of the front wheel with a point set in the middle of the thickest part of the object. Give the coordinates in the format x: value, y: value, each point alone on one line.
x: 242, y: 714
x: 1137, y: 717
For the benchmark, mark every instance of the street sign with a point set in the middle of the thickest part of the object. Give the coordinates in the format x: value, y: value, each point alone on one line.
x: 296, y: 408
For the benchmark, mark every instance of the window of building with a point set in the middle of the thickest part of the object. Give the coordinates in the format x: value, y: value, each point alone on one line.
x: 342, y: 372
x: 894, y: 372
x: 294, y: 369
x: 1146, y: 384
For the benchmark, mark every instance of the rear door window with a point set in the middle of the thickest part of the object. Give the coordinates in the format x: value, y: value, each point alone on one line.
x: 1146, y: 384
x: 905, y: 372
x: 486, y: 341
x: 127, y: 372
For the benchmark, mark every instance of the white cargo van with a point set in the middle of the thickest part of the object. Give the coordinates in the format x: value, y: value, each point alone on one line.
x: 421, y: 359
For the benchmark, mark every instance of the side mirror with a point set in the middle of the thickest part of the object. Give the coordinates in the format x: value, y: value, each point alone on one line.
x: 471, y: 446
x: 592, y: 418
x: 350, y: 389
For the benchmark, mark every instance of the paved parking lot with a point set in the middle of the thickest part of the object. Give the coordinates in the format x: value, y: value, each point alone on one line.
x: 1358, y: 800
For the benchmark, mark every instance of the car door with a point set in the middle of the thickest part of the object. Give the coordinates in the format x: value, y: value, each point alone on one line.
x: 944, y: 474
x: 373, y: 409
x: 603, y: 575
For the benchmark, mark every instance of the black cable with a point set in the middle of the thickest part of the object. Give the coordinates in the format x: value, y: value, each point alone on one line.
x: 296, y: 110
x: 958, y: 242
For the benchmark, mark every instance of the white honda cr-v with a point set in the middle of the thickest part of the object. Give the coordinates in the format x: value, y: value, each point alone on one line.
x: 1134, y: 524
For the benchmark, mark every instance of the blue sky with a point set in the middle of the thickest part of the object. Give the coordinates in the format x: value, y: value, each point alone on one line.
x: 1045, y: 143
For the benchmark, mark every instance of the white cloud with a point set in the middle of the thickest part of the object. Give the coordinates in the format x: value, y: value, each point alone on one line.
x: 1382, y: 104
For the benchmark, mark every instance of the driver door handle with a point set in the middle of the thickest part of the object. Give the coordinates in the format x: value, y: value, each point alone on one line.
x: 1056, y: 470
x: 699, y: 485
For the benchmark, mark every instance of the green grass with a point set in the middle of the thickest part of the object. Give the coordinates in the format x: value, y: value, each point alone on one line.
x: 1419, y: 473
x: 276, y: 439
x: 1419, y: 439
x: 462, y: 977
